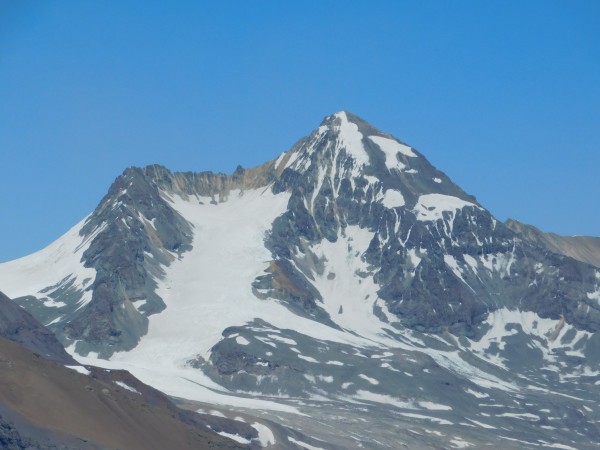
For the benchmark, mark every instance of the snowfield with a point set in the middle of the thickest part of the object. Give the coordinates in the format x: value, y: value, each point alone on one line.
x: 41, y: 273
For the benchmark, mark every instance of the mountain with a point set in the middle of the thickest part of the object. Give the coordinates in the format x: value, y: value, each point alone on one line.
x: 581, y: 248
x: 347, y: 291
x: 49, y: 401
x: 19, y: 326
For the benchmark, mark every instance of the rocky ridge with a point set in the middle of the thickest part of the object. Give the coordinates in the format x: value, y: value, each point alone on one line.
x: 375, y: 281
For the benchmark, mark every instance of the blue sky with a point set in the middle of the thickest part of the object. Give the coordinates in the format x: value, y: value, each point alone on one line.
x: 504, y: 96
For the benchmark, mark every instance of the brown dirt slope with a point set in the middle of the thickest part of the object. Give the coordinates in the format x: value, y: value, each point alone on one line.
x: 581, y: 248
x: 49, y: 397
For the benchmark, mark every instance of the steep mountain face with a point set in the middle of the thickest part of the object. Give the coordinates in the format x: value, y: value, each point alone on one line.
x: 348, y: 275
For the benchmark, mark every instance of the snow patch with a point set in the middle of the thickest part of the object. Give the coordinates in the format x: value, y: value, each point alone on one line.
x: 421, y: 416
x: 82, y: 370
x: 430, y: 207
x: 391, y: 147
x: 307, y: 358
x: 392, y: 199
x: 350, y: 139
x: 265, y: 435
x: 47, y: 268
x: 460, y: 443
x: 369, y: 379
x: 127, y: 387
x: 303, y: 444
x: 241, y: 340
x: 234, y: 437
x: 434, y: 406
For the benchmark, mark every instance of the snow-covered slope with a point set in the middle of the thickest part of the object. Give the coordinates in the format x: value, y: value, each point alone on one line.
x: 348, y: 276
x: 55, y: 276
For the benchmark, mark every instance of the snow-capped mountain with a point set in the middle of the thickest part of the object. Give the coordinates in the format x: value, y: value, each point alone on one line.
x: 347, y: 290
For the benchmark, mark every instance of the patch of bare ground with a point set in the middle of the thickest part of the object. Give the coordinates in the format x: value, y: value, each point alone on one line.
x: 93, y: 410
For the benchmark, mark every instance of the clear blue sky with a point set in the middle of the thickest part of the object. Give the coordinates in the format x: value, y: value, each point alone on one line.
x: 504, y: 96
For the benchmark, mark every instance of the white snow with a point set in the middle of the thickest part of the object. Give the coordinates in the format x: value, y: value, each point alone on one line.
x: 390, y: 367
x: 285, y: 340
x: 460, y: 443
x: 482, y: 425
x: 383, y: 355
x: 309, y: 377
x: 307, y: 358
x: 437, y: 180
x: 556, y: 445
x: 355, y: 294
x: 351, y: 139
x: 279, y: 160
x: 434, y: 406
x: 79, y: 369
x: 265, y: 435
x: 48, y: 267
x: 369, y: 379
x: 594, y: 295
x: 235, y: 437
x: 209, y: 289
x: 127, y: 387
x: 541, y: 330
x: 303, y: 444
x: 392, y: 147
x: 139, y: 303
x: 415, y: 259
x: 49, y: 303
x: 52, y: 322
x: 241, y: 340
x: 498, y: 262
x: 335, y: 363
x: 453, y: 264
x: 524, y: 416
x: 393, y: 199
x: 476, y: 394
x: 471, y: 262
x: 430, y: 207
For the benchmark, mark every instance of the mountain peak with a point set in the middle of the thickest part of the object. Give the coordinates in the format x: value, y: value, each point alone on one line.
x: 348, y: 141
x: 343, y: 117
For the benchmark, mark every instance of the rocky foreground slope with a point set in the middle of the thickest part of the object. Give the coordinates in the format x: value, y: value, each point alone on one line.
x: 348, y: 275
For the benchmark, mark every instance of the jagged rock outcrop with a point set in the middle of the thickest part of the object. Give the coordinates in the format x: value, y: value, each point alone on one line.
x: 439, y: 259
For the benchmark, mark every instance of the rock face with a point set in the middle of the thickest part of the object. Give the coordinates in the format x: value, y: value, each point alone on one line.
x: 348, y: 270
x: 439, y: 259
x: 19, y: 326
